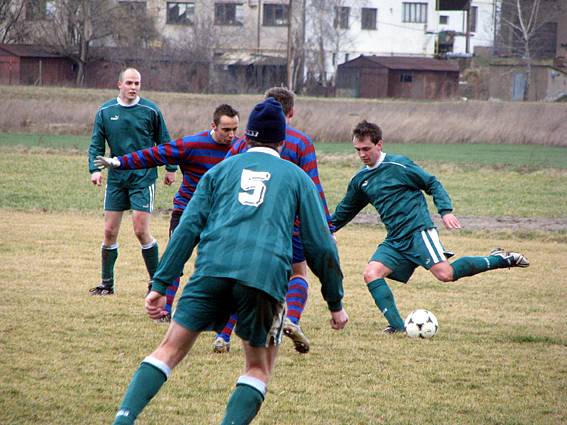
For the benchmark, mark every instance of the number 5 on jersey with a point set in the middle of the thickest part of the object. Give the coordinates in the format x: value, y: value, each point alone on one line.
x: 253, y: 181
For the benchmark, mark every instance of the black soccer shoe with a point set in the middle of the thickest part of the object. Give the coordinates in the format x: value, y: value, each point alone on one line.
x: 389, y: 330
x: 102, y: 290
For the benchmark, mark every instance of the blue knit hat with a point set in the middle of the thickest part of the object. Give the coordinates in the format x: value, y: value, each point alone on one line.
x: 266, y: 122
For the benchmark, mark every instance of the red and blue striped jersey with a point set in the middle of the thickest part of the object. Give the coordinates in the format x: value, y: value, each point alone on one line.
x: 194, y: 154
x: 299, y: 149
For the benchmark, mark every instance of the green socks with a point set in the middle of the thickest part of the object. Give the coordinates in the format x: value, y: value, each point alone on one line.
x: 384, y: 299
x: 469, y: 266
x: 245, y: 401
x: 145, y: 384
x: 150, y: 253
x: 109, y: 254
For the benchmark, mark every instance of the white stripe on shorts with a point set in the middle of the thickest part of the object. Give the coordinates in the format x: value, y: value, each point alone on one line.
x: 152, y: 189
x: 434, y: 235
x: 436, y: 254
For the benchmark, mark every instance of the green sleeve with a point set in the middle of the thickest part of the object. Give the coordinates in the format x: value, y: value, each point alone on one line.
x: 98, y: 140
x: 185, y: 237
x: 430, y: 185
x: 163, y: 137
x: 352, y: 203
x: 319, y: 246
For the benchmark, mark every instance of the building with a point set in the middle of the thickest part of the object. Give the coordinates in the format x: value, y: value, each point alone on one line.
x: 398, y: 77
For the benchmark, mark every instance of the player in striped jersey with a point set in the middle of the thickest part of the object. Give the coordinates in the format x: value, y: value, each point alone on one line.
x: 195, y: 155
x: 127, y: 123
x: 298, y: 148
x: 394, y: 185
x: 241, y: 215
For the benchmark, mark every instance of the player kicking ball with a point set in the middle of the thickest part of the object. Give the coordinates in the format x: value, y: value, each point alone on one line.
x: 394, y: 185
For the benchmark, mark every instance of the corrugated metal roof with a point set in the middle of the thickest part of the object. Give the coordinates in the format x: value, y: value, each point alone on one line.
x: 29, y: 51
x: 409, y: 63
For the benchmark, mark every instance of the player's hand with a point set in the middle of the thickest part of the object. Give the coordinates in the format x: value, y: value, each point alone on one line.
x: 154, y: 304
x: 339, y: 319
x: 103, y: 162
x: 96, y: 178
x: 169, y: 178
x: 451, y: 222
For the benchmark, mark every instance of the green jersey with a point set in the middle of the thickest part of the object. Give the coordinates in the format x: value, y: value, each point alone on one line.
x: 128, y: 128
x: 394, y: 186
x: 242, y: 216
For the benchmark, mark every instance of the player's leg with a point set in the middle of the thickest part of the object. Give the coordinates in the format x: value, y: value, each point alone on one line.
x: 173, y: 286
x: 260, y: 327
x: 154, y: 371
x: 222, y: 339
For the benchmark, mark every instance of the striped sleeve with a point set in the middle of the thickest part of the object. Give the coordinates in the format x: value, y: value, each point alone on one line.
x: 172, y: 153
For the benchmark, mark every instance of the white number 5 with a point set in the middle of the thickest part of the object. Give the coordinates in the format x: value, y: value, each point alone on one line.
x: 252, y: 180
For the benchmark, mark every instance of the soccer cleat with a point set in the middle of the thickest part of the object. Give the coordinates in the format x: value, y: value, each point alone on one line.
x: 220, y: 345
x: 389, y: 330
x: 102, y: 290
x: 294, y: 332
x: 514, y: 259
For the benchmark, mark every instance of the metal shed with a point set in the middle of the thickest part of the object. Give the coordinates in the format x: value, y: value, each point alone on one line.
x: 398, y: 77
x: 26, y: 64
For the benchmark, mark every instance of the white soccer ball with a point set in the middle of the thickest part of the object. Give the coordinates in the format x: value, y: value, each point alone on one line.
x: 421, y: 323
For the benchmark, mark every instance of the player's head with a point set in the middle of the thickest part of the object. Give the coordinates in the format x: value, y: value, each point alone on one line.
x: 367, y: 141
x: 285, y: 96
x: 266, y: 124
x: 129, y: 83
x: 225, y: 124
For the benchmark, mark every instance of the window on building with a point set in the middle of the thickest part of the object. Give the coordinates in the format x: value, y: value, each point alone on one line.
x: 133, y: 8
x: 474, y: 15
x: 342, y: 15
x: 229, y: 14
x: 368, y: 18
x: 405, y: 77
x: 275, y: 14
x: 414, y: 12
x: 180, y: 13
x: 39, y: 9
x: 334, y: 59
x: 443, y: 19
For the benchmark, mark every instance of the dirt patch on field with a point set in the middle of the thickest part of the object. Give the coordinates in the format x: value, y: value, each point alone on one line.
x: 491, y: 223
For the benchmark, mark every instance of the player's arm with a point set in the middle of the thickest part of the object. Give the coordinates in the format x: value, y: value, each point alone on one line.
x: 96, y: 148
x: 171, y: 153
x: 162, y: 137
x: 352, y: 203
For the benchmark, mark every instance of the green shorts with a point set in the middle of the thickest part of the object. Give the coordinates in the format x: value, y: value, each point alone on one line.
x: 423, y: 249
x: 207, y: 303
x: 122, y: 199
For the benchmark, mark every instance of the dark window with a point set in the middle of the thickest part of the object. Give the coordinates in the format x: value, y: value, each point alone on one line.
x: 228, y: 14
x: 342, y: 15
x: 368, y: 18
x: 443, y: 19
x: 474, y: 16
x: 40, y: 9
x: 414, y: 13
x: 133, y: 9
x: 180, y: 13
x: 405, y: 78
x: 276, y: 14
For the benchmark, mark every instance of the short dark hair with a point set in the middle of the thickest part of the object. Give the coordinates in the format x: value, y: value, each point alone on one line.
x: 283, y: 95
x: 367, y: 129
x: 224, y: 110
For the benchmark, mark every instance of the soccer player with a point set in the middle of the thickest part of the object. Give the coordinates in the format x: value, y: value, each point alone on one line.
x: 241, y: 215
x: 394, y: 185
x: 195, y: 155
x: 126, y: 124
x: 298, y: 148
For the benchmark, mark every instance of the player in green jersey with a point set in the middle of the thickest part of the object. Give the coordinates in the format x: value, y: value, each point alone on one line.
x: 394, y: 185
x: 242, y: 216
x: 127, y: 124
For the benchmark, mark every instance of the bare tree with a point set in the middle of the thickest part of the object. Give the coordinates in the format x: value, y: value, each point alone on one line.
x: 11, y: 12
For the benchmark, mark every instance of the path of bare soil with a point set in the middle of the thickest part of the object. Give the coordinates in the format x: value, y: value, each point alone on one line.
x: 491, y: 223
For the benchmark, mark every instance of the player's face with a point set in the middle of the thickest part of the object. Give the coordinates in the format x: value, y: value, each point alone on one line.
x: 129, y: 86
x: 368, y: 152
x: 225, y: 130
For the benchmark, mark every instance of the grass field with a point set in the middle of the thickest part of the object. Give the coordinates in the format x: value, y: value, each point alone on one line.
x: 500, y: 356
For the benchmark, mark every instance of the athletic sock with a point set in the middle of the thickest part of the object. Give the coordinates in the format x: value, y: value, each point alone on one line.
x: 109, y: 254
x: 170, y: 295
x: 384, y: 299
x: 228, y: 328
x: 245, y: 401
x: 150, y: 252
x: 296, y: 298
x: 469, y: 266
x: 144, y: 385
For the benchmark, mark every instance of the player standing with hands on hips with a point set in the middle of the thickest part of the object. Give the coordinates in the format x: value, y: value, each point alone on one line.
x: 394, y: 185
x: 127, y: 123
x: 241, y: 215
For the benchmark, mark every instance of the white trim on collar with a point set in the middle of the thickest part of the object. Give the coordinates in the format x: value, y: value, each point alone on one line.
x: 380, y: 161
x: 263, y: 149
x: 128, y: 105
